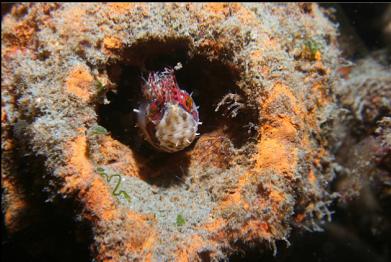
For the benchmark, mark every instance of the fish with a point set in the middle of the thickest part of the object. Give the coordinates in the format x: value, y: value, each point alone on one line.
x: 167, y: 117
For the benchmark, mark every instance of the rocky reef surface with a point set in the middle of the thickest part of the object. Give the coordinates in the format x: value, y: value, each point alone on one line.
x: 278, y: 106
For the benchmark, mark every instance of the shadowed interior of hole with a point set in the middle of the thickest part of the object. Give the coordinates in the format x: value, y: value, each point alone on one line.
x: 208, y: 81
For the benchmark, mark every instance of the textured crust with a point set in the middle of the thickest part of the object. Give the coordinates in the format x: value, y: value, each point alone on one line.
x: 54, y: 54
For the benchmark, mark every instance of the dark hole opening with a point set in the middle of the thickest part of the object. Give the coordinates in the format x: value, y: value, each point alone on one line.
x: 208, y: 82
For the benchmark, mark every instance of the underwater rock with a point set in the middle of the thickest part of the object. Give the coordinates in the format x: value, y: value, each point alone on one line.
x: 362, y: 135
x: 263, y: 76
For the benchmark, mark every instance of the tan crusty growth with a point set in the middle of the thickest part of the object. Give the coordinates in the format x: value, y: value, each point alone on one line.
x: 249, y: 178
